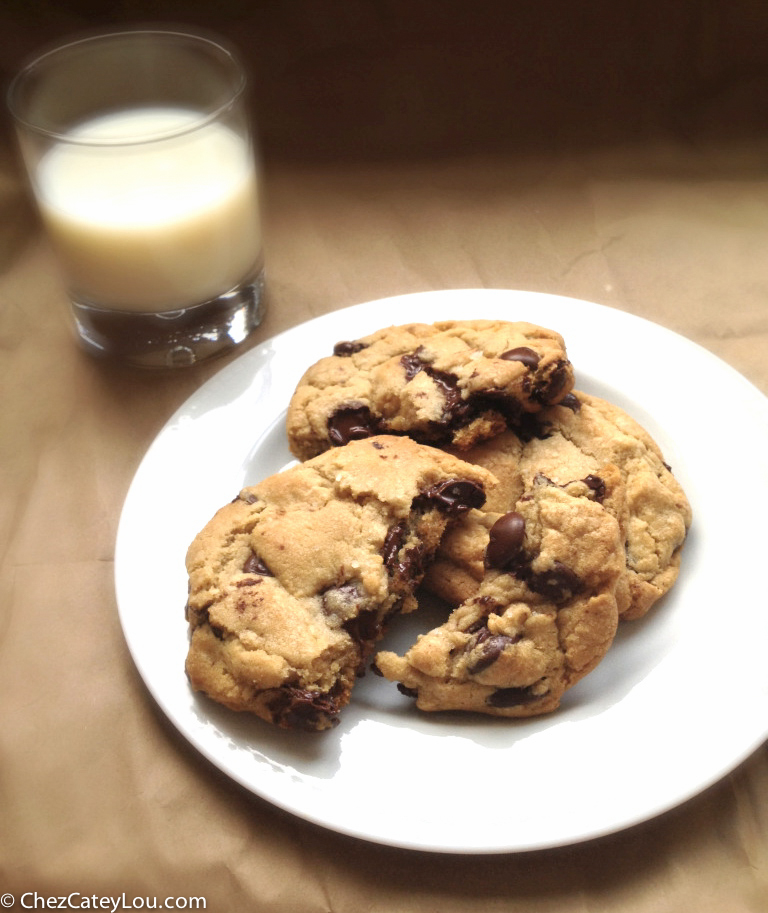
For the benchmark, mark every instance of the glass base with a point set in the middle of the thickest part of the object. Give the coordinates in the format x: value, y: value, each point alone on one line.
x: 172, y: 339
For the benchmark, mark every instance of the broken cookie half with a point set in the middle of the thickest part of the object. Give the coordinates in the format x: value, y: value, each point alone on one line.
x: 449, y: 383
x: 544, y: 614
x: 293, y: 582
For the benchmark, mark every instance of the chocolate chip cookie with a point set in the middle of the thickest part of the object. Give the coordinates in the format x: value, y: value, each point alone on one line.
x: 449, y: 383
x: 292, y: 583
x: 568, y: 441
x: 543, y: 615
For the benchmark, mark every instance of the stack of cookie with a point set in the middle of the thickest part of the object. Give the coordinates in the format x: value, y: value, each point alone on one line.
x: 455, y: 456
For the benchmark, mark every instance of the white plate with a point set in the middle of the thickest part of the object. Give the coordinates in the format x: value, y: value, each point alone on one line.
x: 680, y: 700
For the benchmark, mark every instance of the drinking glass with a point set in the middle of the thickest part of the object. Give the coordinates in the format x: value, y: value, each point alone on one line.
x: 142, y: 161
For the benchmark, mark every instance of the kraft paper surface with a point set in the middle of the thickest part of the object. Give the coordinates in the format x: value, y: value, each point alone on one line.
x: 616, y: 153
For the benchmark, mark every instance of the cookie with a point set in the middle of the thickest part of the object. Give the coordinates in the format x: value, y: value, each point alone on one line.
x: 570, y: 441
x: 291, y: 584
x: 543, y: 615
x: 451, y: 383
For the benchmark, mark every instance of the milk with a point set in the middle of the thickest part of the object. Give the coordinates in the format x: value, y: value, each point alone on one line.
x: 156, y: 225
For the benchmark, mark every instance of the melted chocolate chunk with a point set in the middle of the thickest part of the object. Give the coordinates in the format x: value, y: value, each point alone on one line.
x: 345, y: 349
x: 393, y: 542
x: 557, y: 584
x: 508, y: 407
x: 511, y: 697
x: 365, y: 628
x: 522, y: 354
x: 412, y: 565
x: 529, y: 426
x: 255, y: 565
x: 413, y: 363
x: 454, y: 497
x: 351, y: 423
x: 505, y: 541
x: 551, y: 387
x: 493, y: 646
x: 456, y: 410
x: 298, y: 708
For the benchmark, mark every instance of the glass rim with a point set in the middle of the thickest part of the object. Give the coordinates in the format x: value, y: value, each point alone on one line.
x: 45, y: 57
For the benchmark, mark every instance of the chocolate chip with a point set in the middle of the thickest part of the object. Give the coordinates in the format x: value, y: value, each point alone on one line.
x: 511, y: 697
x: 345, y: 349
x: 596, y: 484
x: 408, y: 692
x: 557, y: 584
x: 342, y: 601
x: 351, y: 423
x: 491, y: 605
x: 505, y: 541
x: 522, y: 354
x: 255, y: 565
x: 571, y: 401
x: 454, y: 496
x: 483, y: 633
x: 478, y: 625
x: 492, y: 648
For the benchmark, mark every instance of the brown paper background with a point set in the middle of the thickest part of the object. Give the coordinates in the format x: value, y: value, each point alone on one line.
x: 616, y: 152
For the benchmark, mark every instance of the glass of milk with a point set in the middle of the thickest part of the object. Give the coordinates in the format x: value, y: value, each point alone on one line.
x: 141, y: 158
